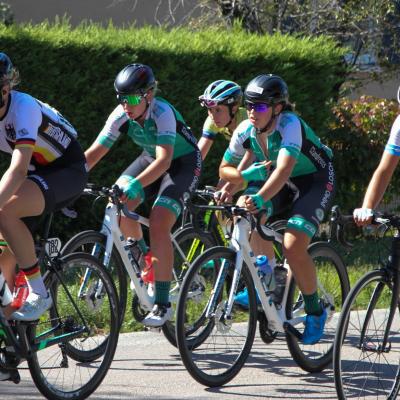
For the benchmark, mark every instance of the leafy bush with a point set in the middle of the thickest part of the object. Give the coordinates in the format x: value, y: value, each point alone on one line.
x: 358, y: 136
x: 74, y: 69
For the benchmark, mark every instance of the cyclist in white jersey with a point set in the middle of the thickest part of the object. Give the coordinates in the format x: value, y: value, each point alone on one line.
x: 382, y: 175
x: 169, y: 166
x: 46, y: 172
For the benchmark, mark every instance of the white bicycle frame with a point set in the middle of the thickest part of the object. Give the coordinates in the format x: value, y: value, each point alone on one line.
x: 240, y: 244
x: 114, y: 237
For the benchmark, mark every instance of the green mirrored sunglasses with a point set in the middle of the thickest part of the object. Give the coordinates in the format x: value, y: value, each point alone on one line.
x: 131, y: 99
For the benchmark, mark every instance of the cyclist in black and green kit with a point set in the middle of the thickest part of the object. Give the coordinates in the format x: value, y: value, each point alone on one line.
x: 276, y: 137
x: 169, y: 166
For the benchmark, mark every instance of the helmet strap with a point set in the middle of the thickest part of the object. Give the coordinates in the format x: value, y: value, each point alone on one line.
x: 270, y: 122
x: 231, y: 114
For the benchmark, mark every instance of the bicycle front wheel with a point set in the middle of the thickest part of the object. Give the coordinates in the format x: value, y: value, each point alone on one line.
x: 75, y: 323
x: 214, y: 345
x: 189, y: 243
x: 94, y: 243
x: 363, y: 367
x: 333, y: 287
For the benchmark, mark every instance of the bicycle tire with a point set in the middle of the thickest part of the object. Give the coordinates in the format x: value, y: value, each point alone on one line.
x: 84, y: 241
x: 185, y: 238
x: 61, y: 380
x: 358, y: 343
x: 194, y: 357
x: 314, y: 358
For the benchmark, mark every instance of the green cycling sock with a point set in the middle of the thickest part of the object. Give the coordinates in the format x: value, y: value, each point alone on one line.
x: 311, y: 304
x: 162, y: 292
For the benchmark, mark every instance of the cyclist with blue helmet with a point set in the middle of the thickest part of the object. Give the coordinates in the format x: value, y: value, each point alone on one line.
x: 222, y: 98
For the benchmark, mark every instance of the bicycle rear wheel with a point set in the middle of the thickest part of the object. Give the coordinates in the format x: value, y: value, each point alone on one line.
x: 333, y: 287
x: 75, y: 323
x: 362, y: 367
x: 190, y: 243
x: 215, y: 347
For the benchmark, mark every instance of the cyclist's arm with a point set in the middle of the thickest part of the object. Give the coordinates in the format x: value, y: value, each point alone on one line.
x: 280, y: 175
x: 159, y: 166
x: 95, y: 153
x: 204, y: 145
x: 380, y: 180
x: 15, y: 174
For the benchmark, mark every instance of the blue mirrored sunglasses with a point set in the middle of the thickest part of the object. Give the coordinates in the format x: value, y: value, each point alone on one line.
x: 257, y: 107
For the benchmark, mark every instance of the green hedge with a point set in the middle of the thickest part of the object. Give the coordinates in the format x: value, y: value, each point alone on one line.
x: 73, y: 70
x: 358, y: 136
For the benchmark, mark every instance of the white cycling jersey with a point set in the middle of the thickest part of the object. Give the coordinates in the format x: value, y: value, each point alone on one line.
x: 393, y: 144
x: 29, y: 122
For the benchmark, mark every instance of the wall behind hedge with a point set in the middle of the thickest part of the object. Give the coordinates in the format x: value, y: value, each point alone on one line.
x: 74, y: 69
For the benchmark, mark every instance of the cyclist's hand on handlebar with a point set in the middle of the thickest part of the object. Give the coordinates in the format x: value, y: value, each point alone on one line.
x: 363, y: 216
x: 254, y: 203
x: 222, y: 196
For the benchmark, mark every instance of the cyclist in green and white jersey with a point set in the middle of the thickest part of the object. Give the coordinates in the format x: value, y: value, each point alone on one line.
x: 275, y: 136
x: 168, y: 167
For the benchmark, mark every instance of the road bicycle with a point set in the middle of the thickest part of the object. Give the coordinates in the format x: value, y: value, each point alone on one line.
x: 77, y: 323
x: 366, y: 357
x: 206, y: 307
x: 121, y: 258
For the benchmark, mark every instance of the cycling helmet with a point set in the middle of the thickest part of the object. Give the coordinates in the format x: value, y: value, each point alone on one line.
x: 134, y: 79
x: 267, y: 88
x: 6, y: 67
x: 221, y: 92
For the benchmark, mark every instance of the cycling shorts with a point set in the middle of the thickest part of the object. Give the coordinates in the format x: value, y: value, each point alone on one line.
x: 182, y: 177
x: 309, y: 198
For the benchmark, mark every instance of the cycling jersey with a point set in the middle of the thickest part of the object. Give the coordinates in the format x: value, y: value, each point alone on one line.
x: 393, y: 144
x: 163, y: 125
x: 31, y: 123
x: 210, y: 130
x: 291, y: 136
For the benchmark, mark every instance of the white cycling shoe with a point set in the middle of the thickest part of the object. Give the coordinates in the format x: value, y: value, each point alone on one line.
x: 34, y: 306
x: 158, y: 316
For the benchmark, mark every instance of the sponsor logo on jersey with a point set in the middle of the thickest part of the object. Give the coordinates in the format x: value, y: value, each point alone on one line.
x: 317, y: 157
x: 58, y: 135
x: 319, y: 212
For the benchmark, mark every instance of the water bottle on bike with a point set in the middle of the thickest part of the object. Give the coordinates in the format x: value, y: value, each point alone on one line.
x: 266, y: 274
x: 21, y: 290
x: 280, y: 273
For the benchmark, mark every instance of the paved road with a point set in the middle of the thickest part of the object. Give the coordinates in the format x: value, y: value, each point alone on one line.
x: 146, y: 366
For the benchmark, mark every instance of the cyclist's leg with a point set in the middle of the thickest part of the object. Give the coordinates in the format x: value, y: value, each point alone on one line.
x: 129, y: 227
x: 315, y: 196
x: 44, y: 191
x: 182, y: 177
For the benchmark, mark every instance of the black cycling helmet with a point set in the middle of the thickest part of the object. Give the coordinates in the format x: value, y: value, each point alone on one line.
x: 267, y: 88
x: 134, y: 79
x: 6, y: 67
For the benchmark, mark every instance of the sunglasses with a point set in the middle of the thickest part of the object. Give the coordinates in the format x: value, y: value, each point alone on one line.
x: 208, y: 103
x: 257, y: 107
x: 131, y: 99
